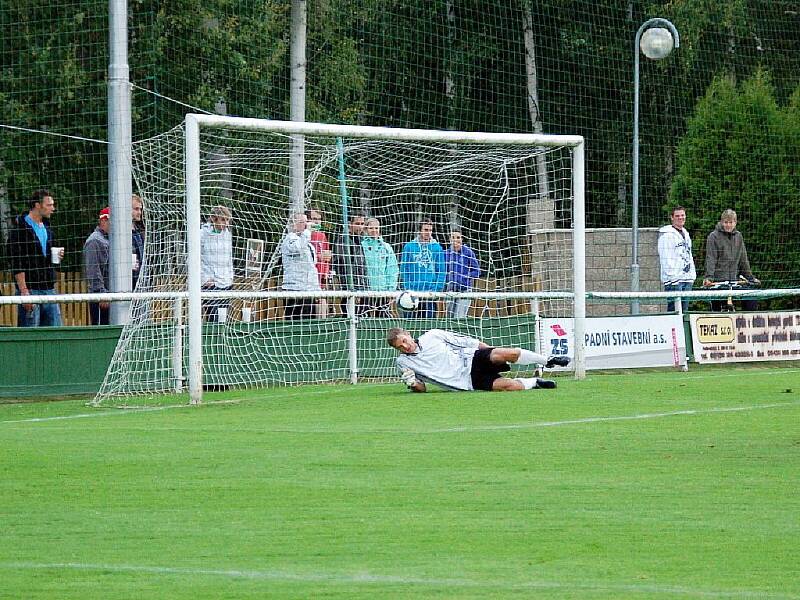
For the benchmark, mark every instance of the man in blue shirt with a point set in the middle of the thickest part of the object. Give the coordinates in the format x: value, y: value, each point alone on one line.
x: 422, y: 267
x: 31, y: 253
x: 462, y: 271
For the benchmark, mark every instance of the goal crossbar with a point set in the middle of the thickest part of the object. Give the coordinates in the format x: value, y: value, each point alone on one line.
x: 386, y: 133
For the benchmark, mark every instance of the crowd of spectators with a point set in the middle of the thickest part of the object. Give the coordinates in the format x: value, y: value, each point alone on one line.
x: 357, y: 259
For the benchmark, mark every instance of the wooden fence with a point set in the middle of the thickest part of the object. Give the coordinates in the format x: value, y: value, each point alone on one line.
x: 72, y: 313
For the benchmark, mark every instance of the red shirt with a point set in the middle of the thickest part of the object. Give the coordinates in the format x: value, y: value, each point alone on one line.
x: 320, y: 242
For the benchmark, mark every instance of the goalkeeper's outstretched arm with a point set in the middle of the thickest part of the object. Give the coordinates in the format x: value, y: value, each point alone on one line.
x: 412, y: 383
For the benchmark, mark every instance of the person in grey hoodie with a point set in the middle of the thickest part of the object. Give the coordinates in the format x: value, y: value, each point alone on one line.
x: 299, y: 268
x: 726, y: 258
x: 96, y: 250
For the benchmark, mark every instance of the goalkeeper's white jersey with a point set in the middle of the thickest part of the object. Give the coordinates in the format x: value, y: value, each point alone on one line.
x: 443, y: 358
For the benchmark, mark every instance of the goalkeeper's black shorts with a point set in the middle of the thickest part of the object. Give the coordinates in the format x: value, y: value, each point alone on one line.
x: 484, y: 371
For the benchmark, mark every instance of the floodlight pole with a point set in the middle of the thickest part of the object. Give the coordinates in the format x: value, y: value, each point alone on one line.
x: 119, y: 158
x: 635, y: 210
x: 297, y: 104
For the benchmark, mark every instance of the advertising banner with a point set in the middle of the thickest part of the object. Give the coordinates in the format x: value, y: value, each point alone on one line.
x: 745, y: 337
x: 620, y: 342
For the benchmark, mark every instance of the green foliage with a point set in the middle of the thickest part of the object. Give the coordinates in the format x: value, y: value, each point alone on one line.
x: 740, y: 151
x: 221, y: 54
x: 442, y: 64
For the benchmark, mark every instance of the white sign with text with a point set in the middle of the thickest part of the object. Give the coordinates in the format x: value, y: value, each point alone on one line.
x: 620, y: 342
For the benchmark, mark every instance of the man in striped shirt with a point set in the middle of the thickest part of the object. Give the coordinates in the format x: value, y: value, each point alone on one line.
x: 462, y: 363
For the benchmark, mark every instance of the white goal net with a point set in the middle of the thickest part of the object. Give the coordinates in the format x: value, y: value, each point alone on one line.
x: 474, y: 223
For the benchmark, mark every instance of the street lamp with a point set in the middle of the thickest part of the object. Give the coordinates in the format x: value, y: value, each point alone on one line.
x: 655, y: 42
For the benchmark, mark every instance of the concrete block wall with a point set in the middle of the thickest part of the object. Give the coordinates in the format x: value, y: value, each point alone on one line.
x: 608, y: 260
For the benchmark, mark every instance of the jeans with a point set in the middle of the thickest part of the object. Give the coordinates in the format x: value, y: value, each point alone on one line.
x: 681, y: 286
x: 299, y: 308
x: 722, y: 305
x: 458, y: 307
x: 210, y: 308
x: 99, y: 315
x: 42, y: 315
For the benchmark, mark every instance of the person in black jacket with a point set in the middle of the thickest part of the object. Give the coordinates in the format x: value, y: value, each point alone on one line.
x: 348, y: 263
x: 30, y: 248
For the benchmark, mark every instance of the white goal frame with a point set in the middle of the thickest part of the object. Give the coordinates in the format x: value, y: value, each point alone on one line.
x: 195, y: 122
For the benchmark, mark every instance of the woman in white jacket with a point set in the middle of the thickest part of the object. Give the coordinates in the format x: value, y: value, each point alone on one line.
x: 675, y: 254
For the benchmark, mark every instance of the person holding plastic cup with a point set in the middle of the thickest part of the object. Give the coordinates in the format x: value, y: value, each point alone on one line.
x: 33, y: 253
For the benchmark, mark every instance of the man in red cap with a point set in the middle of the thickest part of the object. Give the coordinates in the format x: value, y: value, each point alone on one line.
x: 95, y: 261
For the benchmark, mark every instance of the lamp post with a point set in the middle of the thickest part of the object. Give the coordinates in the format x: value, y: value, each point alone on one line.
x: 655, y: 42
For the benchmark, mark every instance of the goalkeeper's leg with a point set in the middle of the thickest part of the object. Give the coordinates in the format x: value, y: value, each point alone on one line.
x: 520, y: 356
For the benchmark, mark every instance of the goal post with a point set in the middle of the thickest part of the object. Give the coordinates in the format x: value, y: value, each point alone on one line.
x: 486, y: 186
x: 196, y: 122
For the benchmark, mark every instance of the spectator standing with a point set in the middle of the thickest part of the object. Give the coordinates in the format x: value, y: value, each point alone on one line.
x: 726, y: 258
x: 137, y: 238
x: 299, y: 268
x: 30, y: 250
x: 96, y: 250
x: 348, y: 262
x: 675, y: 255
x: 382, y: 269
x: 422, y: 267
x: 319, y: 240
x: 462, y: 271
x: 216, y: 261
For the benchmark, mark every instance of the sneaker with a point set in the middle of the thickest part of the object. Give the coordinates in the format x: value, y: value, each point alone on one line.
x: 545, y: 384
x: 557, y: 361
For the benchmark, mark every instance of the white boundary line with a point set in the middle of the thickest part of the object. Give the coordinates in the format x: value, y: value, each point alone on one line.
x: 371, y: 578
x: 302, y: 394
x: 673, y: 413
x: 117, y: 411
x: 462, y: 429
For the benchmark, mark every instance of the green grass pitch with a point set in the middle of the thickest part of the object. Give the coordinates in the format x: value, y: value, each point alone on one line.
x: 646, y: 485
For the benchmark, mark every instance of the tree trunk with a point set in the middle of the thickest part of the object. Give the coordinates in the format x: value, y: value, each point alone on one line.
x: 541, y: 210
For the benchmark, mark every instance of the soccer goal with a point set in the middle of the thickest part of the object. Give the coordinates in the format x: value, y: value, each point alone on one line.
x: 515, y: 200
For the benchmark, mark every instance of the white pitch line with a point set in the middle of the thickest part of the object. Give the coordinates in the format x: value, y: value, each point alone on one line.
x: 371, y: 578
x: 462, y: 429
x: 674, y: 413
x: 119, y: 411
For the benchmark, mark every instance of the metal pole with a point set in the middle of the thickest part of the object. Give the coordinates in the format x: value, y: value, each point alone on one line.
x: 352, y: 337
x: 119, y: 158
x: 192, y: 158
x: 579, y: 258
x: 297, y: 103
x: 635, y: 209
x: 177, y: 347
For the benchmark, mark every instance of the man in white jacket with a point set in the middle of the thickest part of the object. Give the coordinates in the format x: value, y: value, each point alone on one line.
x: 675, y: 254
x: 299, y: 259
x: 216, y: 261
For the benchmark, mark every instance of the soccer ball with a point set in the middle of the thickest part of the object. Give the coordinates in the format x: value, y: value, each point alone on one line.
x: 407, y: 301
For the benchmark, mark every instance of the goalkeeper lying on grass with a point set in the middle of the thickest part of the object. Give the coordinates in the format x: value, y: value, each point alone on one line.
x: 459, y: 362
